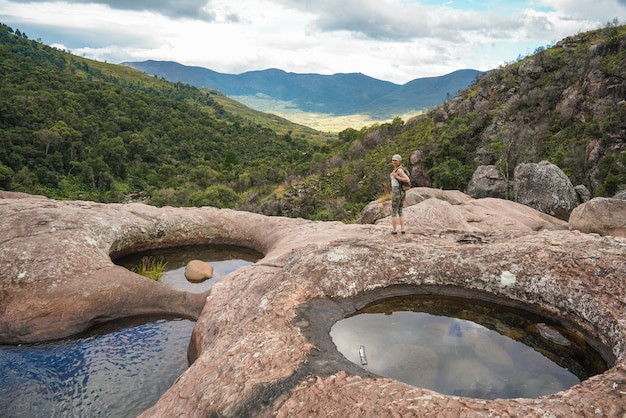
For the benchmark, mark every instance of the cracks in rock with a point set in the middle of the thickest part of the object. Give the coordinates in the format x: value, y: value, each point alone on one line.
x: 274, y: 265
x: 264, y: 395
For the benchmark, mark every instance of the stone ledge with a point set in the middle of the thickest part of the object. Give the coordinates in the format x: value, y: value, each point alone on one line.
x: 251, y: 349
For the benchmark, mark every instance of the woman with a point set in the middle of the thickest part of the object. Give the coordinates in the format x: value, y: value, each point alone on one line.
x: 397, y: 194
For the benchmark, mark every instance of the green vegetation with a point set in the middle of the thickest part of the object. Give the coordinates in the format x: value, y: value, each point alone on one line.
x: 152, y: 268
x: 564, y: 104
x: 72, y: 128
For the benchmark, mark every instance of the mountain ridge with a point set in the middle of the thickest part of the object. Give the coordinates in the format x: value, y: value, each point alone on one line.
x: 338, y: 94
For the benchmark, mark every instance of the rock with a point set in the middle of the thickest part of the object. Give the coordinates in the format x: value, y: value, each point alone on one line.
x: 600, y: 215
x: 530, y: 68
x: 380, y: 209
x: 487, y: 181
x: 545, y: 187
x: 552, y: 335
x: 57, y: 278
x: 198, y: 271
x: 620, y: 195
x: 252, y: 351
x: 419, y: 170
x: 474, y: 216
x: 584, y: 195
x: 374, y: 211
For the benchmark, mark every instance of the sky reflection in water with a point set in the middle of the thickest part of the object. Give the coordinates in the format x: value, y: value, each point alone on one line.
x: 119, y: 369
x: 458, y: 356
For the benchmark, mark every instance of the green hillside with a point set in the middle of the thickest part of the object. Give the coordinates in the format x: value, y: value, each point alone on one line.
x: 565, y: 104
x: 73, y: 128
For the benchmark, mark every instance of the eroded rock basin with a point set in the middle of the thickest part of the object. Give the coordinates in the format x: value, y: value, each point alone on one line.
x: 466, y: 346
x: 251, y: 346
x: 119, y: 368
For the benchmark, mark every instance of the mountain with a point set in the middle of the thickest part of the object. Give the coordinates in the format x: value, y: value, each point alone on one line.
x: 565, y: 104
x: 338, y: 94
x: 74, y: 128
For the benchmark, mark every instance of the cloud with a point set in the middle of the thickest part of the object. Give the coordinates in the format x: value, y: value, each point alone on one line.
x: 585, y: 11
x: 394, y: 40
x: 194, y: 9
x: 394, y: 21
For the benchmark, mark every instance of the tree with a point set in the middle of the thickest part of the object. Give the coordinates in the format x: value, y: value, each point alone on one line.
x: 48, y: 138
x: 6, y: 177
x: 451, y: 175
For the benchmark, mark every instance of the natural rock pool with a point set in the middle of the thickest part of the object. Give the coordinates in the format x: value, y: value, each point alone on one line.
x: 260, y: 346
x: 117, y: 369
x: 466, y: 347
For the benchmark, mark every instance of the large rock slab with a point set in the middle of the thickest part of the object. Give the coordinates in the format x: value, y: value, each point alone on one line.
x: 256, y: 348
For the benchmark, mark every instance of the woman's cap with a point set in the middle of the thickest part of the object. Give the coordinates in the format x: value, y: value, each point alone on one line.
x: 396, y: 157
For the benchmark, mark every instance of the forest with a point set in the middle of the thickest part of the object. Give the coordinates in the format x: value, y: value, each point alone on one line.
x: 74, y: 128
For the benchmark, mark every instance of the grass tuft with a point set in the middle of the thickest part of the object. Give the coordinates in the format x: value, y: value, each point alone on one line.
x: 152, y: 268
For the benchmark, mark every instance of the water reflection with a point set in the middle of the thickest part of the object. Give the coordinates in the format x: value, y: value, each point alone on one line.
x: 465, y: 348
x: 106, y: 373
x: 223, y: 258
x: 119, y: 369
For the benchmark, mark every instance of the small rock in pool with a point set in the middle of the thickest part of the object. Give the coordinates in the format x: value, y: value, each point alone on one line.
x: 198, y: 271
x: 552, y: 335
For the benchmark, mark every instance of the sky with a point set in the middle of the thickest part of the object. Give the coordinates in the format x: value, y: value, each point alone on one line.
x: 391, y: 40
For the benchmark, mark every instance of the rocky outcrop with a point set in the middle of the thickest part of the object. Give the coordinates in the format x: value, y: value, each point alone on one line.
x: 545, y: 187
x: 257, y: 351
x: 487, y: 181
x: 57, y: 277
x: 419, y: 170
x: 381, y: 208
x: 600, y: 216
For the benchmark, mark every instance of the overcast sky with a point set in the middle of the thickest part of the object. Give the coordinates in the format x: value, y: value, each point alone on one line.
x: 393, y: 40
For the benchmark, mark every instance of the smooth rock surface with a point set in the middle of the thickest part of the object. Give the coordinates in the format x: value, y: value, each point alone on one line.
x: 198, y: 271
x: 545, y: 187
x: 252, y: 348
x: 600, y: 215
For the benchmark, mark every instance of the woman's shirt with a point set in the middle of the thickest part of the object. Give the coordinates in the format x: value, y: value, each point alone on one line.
x: 394, y: 181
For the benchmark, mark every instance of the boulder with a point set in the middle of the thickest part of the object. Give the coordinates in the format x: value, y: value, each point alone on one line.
x: 545, y: 187
x: 600, y: 215
x: 381, y: 208
x: 530, y: 68
x: 374, y: 211
x: 419, y: 170
x: 584, y: 195
x: 620, y: 195
x: 198, y: 271
x: 488, y: 181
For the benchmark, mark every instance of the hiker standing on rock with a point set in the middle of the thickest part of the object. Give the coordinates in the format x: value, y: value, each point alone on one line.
x: 397, y: 194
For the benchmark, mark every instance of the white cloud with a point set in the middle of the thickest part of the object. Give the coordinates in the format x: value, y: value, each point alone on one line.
x: 395, y: 40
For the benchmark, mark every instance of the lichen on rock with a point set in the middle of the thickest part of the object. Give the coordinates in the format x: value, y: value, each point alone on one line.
x: 252, y: 350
